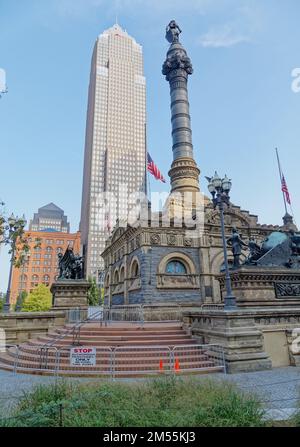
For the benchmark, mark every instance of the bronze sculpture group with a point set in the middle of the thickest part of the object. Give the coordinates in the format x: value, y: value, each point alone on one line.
x: 278, y: 249
x: 70, y: 265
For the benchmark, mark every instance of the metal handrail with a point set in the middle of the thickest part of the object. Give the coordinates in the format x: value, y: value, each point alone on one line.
x: 9, y: 345
x: 219, y: 350
x: 44, y: 349
x: 158, y: 348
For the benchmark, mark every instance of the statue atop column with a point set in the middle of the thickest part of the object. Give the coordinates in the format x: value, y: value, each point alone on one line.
x: 177, y: 57
x: 172, y: 32
x: 177, y: 67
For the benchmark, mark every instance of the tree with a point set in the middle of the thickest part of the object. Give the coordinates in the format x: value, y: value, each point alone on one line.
x: 20, y: 300
x: 93, y: 293
x: 39, y: 300
x: 2, y: 301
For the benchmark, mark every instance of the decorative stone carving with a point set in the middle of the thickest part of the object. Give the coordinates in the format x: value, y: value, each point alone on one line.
x: 177, y: 60
x: 171, y: 239
x: 155, y: 239
x: 177, y: 281
x: 187, y: 241
x: 264, y: 286
x: 287, y: 289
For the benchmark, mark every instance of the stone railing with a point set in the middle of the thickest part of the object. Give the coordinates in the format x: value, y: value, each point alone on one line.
x: 22, y: 326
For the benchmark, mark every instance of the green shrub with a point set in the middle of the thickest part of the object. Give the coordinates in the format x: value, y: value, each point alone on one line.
x: 39, y: 300
x: 93, y: 292
x: 167, y: 402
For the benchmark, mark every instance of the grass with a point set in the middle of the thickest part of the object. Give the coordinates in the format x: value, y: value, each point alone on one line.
x: 163, y: 402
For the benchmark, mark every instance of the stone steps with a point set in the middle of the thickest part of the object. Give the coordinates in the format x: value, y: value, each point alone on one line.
x: 140, y: 353
x: 125, y: 368
x: 129, y: 358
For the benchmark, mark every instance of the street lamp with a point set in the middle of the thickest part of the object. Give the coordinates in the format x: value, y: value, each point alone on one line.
x: 14, y: 229
x: 219, y: 189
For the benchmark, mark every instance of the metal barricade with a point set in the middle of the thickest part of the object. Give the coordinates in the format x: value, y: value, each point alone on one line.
x: 103, y: 362
x: 146, y: 360
x: 141, y: 313
x: 162, y: 312
x: 4, y: 348
x: 128, y: 313
x: 204, y: 357
x: 127, y: 361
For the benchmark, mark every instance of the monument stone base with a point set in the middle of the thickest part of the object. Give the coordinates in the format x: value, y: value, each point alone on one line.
x: 236, y: 331
x: 264, y: 286
x: 252, y: 337
x: 69, y: 294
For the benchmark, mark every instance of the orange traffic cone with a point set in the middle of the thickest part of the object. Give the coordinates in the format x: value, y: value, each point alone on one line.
x: 161, y: 366
x: 177, y: 365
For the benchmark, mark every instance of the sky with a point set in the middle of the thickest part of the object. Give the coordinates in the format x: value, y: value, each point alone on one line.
x: 244, y: 96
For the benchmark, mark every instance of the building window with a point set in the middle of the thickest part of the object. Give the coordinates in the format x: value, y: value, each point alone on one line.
x: 116, y: 277
x: 176, y: 267
x: 135, y: 269
x: 49, y: 249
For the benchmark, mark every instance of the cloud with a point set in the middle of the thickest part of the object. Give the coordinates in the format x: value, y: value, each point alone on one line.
x: 224, y: 36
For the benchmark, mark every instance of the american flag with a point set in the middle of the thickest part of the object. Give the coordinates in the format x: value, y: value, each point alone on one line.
x: 153, y: 169
x: 285, y: 190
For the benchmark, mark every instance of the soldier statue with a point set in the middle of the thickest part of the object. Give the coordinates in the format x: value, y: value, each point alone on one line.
x: 172, y: 32
x: 254, y: 251
x: 236, y: 244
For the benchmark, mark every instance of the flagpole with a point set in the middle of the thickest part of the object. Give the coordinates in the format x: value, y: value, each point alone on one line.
x: 280, y: 175
x: 147, y: 179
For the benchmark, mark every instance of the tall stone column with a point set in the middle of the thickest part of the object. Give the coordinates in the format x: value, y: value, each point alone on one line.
x: 184, y: 172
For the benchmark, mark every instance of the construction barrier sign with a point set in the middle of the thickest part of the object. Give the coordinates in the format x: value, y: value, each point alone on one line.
x: 82, y: 356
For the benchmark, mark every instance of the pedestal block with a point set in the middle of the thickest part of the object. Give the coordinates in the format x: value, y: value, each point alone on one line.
x: 69, y: 294
x: 264, y: 286
x: 242, y: 341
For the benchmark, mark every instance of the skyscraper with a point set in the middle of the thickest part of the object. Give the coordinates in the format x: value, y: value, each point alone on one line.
x: 50, y: 218
x: 115, y: 147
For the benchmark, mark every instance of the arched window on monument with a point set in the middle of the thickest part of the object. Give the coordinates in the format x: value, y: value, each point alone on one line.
x: 135, y: 269
x: 116, y: 277
x: 176, y: 267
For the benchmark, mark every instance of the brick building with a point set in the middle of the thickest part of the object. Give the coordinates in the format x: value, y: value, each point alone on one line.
x: 41, y: 266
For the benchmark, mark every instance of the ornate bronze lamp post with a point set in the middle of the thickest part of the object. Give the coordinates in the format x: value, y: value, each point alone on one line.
x: 14, y: 229
x: 219, y: 189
